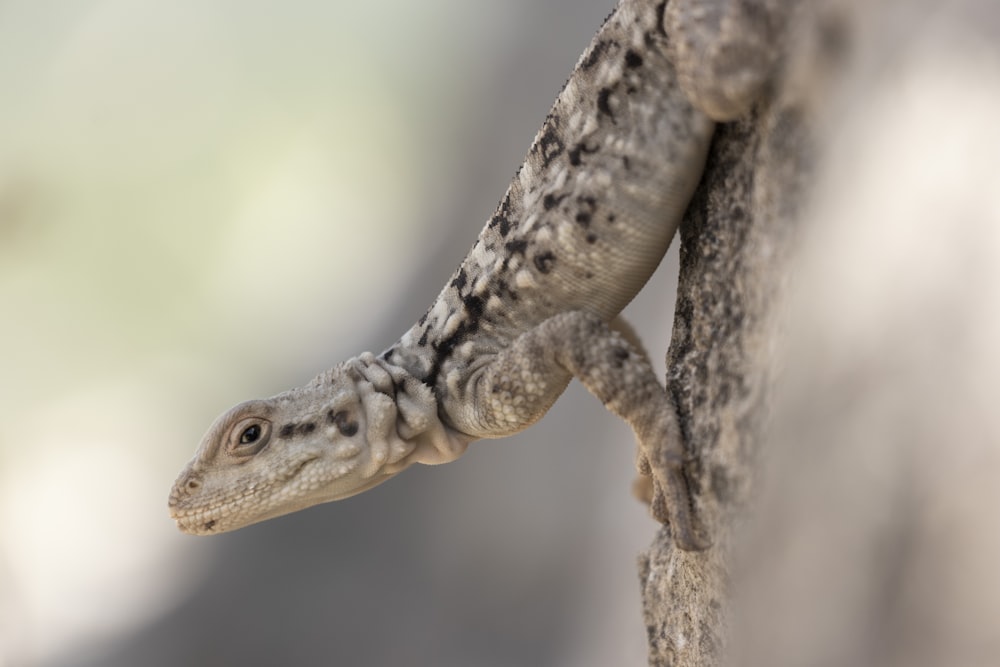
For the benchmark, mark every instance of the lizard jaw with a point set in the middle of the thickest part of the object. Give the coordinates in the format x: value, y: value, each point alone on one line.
x: 200, y: 511
x: 312, y: 480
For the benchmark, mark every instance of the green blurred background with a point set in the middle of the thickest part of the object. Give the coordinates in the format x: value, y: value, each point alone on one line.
x: 202, y: 203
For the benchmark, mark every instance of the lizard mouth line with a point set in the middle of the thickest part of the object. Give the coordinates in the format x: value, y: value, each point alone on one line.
x: 194, y: 515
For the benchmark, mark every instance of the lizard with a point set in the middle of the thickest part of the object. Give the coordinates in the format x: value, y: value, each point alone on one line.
x: 582, y: 226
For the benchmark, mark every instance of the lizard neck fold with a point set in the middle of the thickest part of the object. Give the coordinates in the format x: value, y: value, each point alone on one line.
x: 400, y: 405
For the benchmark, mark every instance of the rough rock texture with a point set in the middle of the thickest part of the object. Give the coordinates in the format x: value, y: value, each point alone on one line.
x: 841, y: 262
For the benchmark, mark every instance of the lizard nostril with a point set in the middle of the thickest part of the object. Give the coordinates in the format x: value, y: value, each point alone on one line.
x: 193, y: 485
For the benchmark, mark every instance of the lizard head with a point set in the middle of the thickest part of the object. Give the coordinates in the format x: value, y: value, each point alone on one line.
x: 337, y: 436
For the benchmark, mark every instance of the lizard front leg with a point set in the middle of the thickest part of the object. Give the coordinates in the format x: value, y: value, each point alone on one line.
x: 515, y: 387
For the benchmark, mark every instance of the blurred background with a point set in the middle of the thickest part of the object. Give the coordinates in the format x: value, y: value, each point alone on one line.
x: 202, y: 203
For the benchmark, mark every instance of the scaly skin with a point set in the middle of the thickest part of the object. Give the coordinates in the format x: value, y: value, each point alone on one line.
x: 581, y: 228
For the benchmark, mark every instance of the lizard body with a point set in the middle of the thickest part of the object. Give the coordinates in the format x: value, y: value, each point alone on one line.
x: 581, y: 228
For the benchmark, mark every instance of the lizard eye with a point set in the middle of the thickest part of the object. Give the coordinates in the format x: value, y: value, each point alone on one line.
x: 248, y: 436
